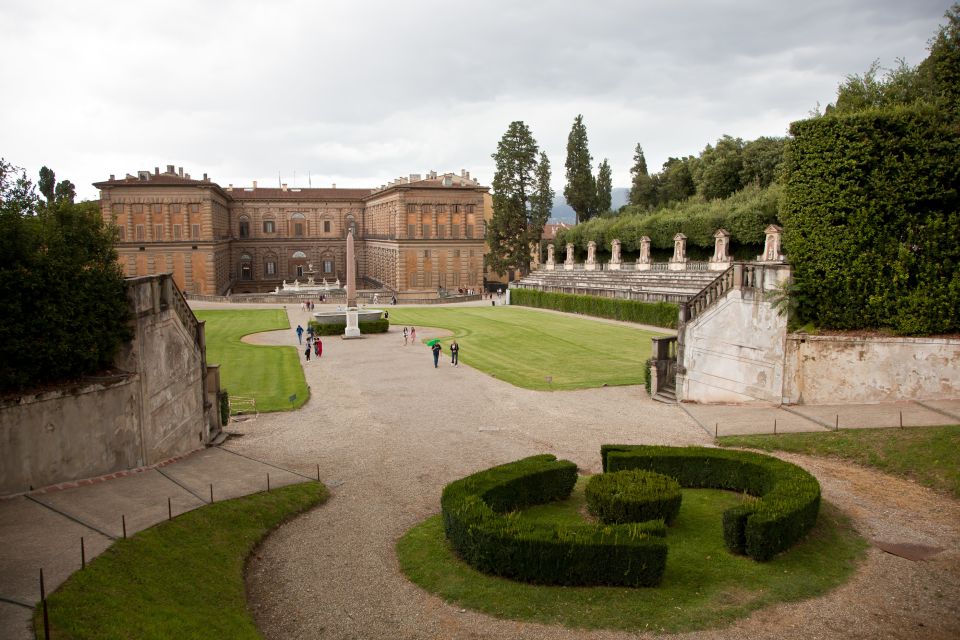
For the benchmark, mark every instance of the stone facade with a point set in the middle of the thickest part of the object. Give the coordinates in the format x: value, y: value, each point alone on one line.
x: 412, y: 234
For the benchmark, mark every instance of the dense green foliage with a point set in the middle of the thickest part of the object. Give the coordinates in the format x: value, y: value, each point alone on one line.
x: 269, y: 374
x: 745, y: 215
x: 522, y: 199
x: 643, y: 191
x: 581, y: 188
x: 633, y: 495
x: 604, y: 187
x: 62, y: 294
x: 484, y: 534
x: 788, y: 497
x: 536, y: 349
x: 656, y: 314
x: 337, y: 328
x: 180, y: 579
x: 871, y: 214
x: 224, y: 399
x: 928, y: 455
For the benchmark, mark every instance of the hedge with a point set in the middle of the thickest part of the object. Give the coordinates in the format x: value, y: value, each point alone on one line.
x: 871, y: 217
x: 633, y: 495
x: 657, y: 314
x: 788, y: 497
x: 485, y: 535
x: 337, y: 328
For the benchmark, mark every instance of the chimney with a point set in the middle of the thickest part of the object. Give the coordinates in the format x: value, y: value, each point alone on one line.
x: 156, y: 171
x: 170, y: 169
x: 187, y: 176
x: 414, y: 177
x: 467, y: 174
x: 230, y: 187
x: 113, y: 176
x: 254, y: 184
x: 180, y: 171
x: 463, y: 173
x: 334, y: 186
x: 205, y: 178
x: 283, y: 187
x: 447, y: 181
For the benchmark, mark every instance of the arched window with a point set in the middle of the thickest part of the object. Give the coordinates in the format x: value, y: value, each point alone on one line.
x: 244, y: 227
x: 246, y: 267
x: 270, y: 266
x: 299, y: 222
x: 327, y: 263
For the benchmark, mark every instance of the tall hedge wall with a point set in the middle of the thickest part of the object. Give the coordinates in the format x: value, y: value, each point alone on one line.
x: 657, y: 314
x: 871, y: 220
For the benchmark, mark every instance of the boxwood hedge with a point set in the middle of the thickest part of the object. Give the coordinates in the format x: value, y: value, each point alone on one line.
x: 788, y: 497
x: 334, y: 329
x: 657, y: 314
x: 633, y: 495
x: 483, y: 532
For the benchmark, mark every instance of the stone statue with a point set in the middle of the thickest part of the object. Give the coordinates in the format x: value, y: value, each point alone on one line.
x: 591, y: 263
x: 568, y: 263
x: 644, y: 258
x: 614, y: 264
x: 679, y: 260
x: 551, y: 263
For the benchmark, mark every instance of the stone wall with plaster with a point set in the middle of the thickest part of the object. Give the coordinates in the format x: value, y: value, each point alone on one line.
x: 828, y: 369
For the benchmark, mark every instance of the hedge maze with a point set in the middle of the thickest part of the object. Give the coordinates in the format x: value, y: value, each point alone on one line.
x: 635, y: 498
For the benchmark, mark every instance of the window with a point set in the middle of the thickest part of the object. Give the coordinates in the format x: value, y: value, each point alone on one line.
x: 425, y: 209
x: 175, y: 208
x: 298, y: 229
x: 246, y: 267
x: 426, y: 253
x: 194, y: 231
x: 441, y: 231
x: 122, y: 233
x: 427, y: 279
x: 411, y: 208
x: 138, y: 208
x: 268, y: 226
x: 176, y: 232
x: 194, y: 207
x: 411, y: 230
x: 326, y: 226
x: 158, y: 232
x: 441, y: 208
x: 469, y: 208
x: 412, y: 280
x: 157, y: 208
x: 328, y: 266
x: 456, y: 253
x: 270, y: 267
x: 139, y: 232
x: 244, y: 228
x: 454, y: 231
x: 299, y: 270
x: 455, y: 208
x: 426, y: 231
x: 469, y: 230
x: 116, y: 208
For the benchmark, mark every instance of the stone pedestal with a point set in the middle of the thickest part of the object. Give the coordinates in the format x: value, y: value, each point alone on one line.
x: 568, y: 263
x: 614, y: 264
x: 591, y: 263
x: 771, y: 247
x: 353, y: 324
x: 551, y: 263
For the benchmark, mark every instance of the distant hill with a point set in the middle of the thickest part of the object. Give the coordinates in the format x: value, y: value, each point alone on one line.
x: 562, y: 212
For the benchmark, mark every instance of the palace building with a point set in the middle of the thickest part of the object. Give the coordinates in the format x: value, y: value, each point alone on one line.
x: 415, y: 234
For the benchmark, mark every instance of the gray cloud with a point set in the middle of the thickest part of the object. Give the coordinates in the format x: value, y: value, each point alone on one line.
x: 360, y: 92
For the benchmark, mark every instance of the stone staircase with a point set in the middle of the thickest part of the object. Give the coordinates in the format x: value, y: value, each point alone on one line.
x: 646, y: 286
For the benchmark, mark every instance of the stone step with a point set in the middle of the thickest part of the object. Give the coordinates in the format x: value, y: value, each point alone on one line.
x: 667, y: 396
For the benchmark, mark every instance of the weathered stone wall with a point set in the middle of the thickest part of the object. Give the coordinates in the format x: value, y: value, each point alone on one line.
x: 155, y: 411
x: 826, y: 369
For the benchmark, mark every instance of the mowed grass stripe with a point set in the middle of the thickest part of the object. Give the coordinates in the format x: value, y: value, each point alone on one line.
x: 268, y: 373
x: 523, y: 346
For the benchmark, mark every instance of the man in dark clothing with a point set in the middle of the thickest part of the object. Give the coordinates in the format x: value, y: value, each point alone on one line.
x: 436, y: 353
x: 454, y: 353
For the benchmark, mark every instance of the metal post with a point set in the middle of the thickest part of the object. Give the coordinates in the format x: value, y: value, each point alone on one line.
x: 716, y: 429
x: 268, y: 483
x: 46, y: 616
x: 318, y: 473
x: 901, y: 419
x: 123, y: 520
x: 83, y: 555
x: 169, y: 509
x: 836, y: 424
x: 211, y: 493
x: 774, y: 426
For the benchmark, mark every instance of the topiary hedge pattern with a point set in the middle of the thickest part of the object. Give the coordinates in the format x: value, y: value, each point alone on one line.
x: 788, y: 497
x: 633, y: 495
x: 337, y: 328
x: 484, y: 534
x: 871, y: 217
x: 657, y: 314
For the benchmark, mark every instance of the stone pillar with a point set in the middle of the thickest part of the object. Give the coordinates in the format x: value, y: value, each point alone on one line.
x: 568, y: 263
x: 534, y: 256
x: 591, y: 264
x: 551, y: 263
x: 771, y: 248
x: 679, y: 260
x: 352, y: 329
x: 721, y: 259
x: 644, y: 261
x: 614, y: 264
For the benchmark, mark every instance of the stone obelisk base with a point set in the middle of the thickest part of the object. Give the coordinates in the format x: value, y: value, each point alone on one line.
x: 353, y: 327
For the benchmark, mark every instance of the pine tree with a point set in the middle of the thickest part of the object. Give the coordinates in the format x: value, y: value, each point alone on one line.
x: 515, y: 184
x: 581, y: 189
x: 643, y: 189
x: 604, y: 187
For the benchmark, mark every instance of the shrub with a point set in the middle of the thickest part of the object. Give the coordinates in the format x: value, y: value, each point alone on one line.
x: 224, y: 407
x: 337, y: 328
x: 633, y: 495
x: 657, y: 314
x: 788, y: 497
x: 484, y: 534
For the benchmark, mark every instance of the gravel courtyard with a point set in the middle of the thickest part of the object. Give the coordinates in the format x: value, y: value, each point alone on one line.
x: 389, y: 431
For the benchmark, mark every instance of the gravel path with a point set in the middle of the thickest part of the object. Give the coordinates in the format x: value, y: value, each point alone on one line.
x: 389, y: 431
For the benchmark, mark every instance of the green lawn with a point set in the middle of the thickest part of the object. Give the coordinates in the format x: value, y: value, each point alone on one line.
x: 704, y: 585
x: 269, y: 374
x: 929, y: 455
x: 523, y: 346
x: 180, y: 579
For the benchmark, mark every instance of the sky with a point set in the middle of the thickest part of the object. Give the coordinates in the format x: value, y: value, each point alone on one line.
x: 360, y: 92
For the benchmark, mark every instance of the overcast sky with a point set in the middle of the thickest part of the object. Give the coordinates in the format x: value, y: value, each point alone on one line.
x: 359, y: 92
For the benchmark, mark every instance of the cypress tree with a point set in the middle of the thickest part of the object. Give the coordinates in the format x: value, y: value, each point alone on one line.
x: 581, y: 189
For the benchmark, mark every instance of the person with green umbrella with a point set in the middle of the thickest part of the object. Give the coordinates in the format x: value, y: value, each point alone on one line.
x: 435, y: 347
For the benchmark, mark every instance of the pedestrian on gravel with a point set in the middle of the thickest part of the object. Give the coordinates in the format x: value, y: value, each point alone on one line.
x: 317, y: 347
x: 307, y: 352
x: 405, y: 334
x: 454, y: 353
x: 299, y: 334
x: 436, y: 353
x: 413, y: 335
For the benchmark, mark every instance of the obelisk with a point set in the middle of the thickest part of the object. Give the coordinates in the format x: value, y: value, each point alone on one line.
x: 353, y: 328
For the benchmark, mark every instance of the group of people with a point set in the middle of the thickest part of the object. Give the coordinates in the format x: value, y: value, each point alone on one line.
x: 410, y: 334
x: 308, y: 305
x: 314, y: 343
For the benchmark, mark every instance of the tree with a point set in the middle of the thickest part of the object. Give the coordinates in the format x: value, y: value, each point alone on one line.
x: 515, y: 200
x: 761, y: 161
x: 65, y: 192
x: 55, y: 256
x: 604, y: 187
x: 47, y: 183
x: 941, y: 70
x: 718, y: 173
x: 643, y: 189
x: 541, y: 200
x: 581, y: 189
x: 675, y: 182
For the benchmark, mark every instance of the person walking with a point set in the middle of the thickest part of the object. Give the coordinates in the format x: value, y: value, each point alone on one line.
x: 307, y: 352
x: 413, y: 335
x: 436, y: 353
x: 405, y: 334
x: 299, y: 334
x: 317, y: 347
x: 454, y: 353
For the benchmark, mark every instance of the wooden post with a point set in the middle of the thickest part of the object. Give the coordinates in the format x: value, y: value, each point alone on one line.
x: 123, y: 520
x: 211, y: 493
x: 46, y: 617
x: 169, y: 509
x: 83, y: 555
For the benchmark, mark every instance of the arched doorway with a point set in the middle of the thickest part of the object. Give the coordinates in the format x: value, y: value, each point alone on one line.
x: 298, y: 264
x: 246, y: 267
